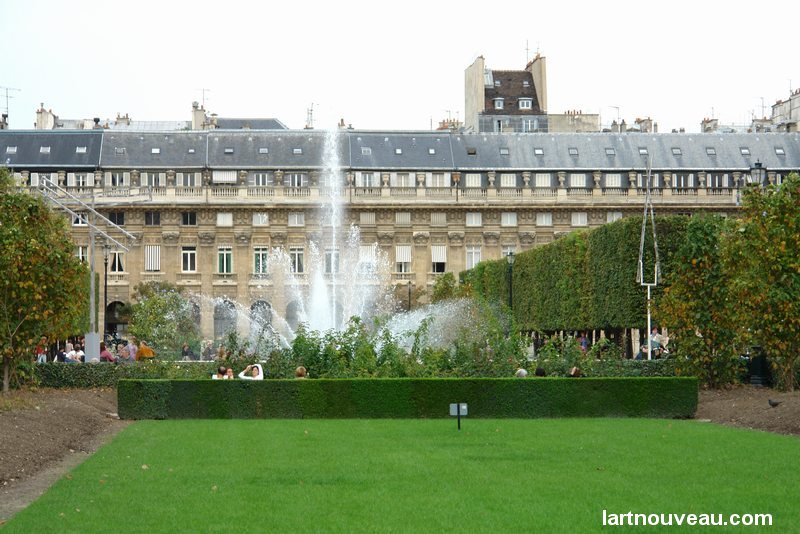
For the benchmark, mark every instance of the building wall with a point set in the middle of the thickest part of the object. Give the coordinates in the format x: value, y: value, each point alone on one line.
x: 473, y: 93
x: 538, y: 69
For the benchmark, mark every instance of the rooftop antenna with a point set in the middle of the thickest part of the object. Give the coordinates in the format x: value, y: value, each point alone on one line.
x: 648, y: 210
x: 310, y: 117
x: 7, y: 89
x: 203, y: 96
x: 527, y: 52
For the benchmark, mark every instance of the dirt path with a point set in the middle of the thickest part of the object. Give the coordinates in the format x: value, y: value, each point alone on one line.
x: 47, y: 432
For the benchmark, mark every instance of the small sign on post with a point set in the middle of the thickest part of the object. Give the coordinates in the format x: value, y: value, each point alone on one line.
x: 457, y: 409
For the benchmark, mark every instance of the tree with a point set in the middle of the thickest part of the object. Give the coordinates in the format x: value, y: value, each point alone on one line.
x: 44, y: 286
x: 763, y: 259
x: 164, y: 317
x: 696, y: 305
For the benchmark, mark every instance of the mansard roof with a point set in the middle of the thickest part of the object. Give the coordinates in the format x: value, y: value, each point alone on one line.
x: 35, y: 149
x: 399, y: 150
x: 228, y: 123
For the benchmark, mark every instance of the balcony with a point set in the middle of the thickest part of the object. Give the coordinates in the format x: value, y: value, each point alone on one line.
x: 151, y: 276
x: 509, y: 192
x: 260, y: 191
x: 439, y: 192
x: 118, y: 279
x: 224, y: 191
x: 399, y: 277
x: 188, y: 279
x: 371, y: 192
x: 474, y: 192
x: 296, y: 191
x: 117, y: 191
x: 224, y: 279
x: 579, y: 192
x: 189, y: 191
x: 545, y: 192
x: 685, y: 192
x: 615, y: 192
x: 403, y: 192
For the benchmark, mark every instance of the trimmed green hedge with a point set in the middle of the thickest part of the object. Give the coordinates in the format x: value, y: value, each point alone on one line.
x: 94, y: 375
x: 407, y: 398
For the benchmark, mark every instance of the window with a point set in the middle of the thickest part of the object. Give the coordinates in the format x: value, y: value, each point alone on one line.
x: 296, y: 259
x: 573, y: 151
x: 544, y: 218
x: 260, y: 218
x: 508, y: 218
x: 580, y: 218
x: 402, y: 218
x: 224, y: 177
x: 683, y: 181
x: 537, y: 151
x: 504, y: 151
x: 711, y: 151
x: 472, y: 151
x: 577, y: 180
x: 260, y: 259
x: 297, y: 151
x: 115, y: 261
x: 438, y: 218
x: 366, y: 179
x: 332, y: 261
x: 526, y: 83
x: 367, y: 218
x: 779, y: 151
x: 263, y: 150
x: 508, y: 180
x: 642, y: 150
x: 189, y: 218
x: 401, y: 179
x: 80, y: 150
x: 297, y: 218
x: 543, y: 179
x: 432, y: 151
x: 152, y: 258
x: 610, y: 151
x: 744, y: 150
x: 225, y: 219
x: 117, y: 217
x: 150, y: 179
x: 612, y: 216
x: 80, y: 179
x: 295, y: 179
x: 117, y: 179
x: 472, y: 180
x: 498, y: 103
x: 366, y: 258
x: 507, y: 249
x: 402, y: 259
x: 473, y: 256
x: 82, y: 253
x: 438, y: 258
x: 225, y: 260
x: 152, y: 218
x: 437, y: 179
x: 44, y: 150
x: 398, y: 151
x: 229, y: 150
x: 191, y: 151
x: 79, y: 219
x: 261, y: 179
x: 366, y: 151
x: 187, y: 179
x: 11, y: 150
x: 473, y: 218
x: 119, y: 151
x: 155, y: 151
x: 525, y: 103
x: 613, y: 180
x: 497, y: 83
x: 676, y: 151
x: 189, y: 259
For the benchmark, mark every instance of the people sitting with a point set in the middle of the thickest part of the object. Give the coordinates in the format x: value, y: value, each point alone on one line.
x: 574, y: 372
x: 521, y: 373
x: 145, y: 353
x: 540, y: 372
x: 252, y: 372
x: 220, y: 374
x: 300, y: 372
x: 229, y: 374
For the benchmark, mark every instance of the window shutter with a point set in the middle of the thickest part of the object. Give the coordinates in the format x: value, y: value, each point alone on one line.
x: 439, y: 253
x: 162, y: 179
x: 126, y: 178
x: 70, y: 179
x: 108, y: 179
x: 90, y: 179
x: 402, y: 253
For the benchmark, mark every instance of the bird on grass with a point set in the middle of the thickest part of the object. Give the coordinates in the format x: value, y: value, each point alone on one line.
x: 773, y: 403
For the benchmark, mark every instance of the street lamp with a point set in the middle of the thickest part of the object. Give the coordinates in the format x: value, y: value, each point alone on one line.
x: 757, y: 174
x: 510, y: 257
x: 105, y: 288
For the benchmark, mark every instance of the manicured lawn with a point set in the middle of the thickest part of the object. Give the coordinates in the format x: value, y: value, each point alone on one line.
x: 418, y: 476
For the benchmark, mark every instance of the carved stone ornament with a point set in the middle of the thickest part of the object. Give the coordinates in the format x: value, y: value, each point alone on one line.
x: 527, y: 238
x: 170, y: 238
x: 456, y: 238
x: 206, y: 238
x: 278, y: 239
x: 385, y: 238
x: 421, y: 238
x: 491, y: 238
x: 242, y: 238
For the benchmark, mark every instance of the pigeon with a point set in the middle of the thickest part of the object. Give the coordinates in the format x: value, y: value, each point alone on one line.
x: 773, y: 403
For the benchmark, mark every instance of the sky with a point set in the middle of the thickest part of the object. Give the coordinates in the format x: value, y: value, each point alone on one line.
x: 392, y: 65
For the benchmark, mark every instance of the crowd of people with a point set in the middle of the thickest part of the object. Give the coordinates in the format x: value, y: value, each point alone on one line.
x: 73, y: 350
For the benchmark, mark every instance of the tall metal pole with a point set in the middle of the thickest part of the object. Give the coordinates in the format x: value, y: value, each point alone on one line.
x: 92, y: 304
x: 105, y: 290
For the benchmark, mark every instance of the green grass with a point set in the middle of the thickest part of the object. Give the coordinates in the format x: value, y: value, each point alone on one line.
x: 539, y: 475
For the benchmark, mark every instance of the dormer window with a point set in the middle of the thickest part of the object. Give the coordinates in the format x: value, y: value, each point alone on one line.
x: 263, y: 150
x: 471, y: 151
x: 366, y: 151
x: 745, y: 151
x: 573, y: 151
x: 229, y: 150
x: 119, y: 151
x: 155, y: 151
x: 498, y: 103
x: 676, y: 151
x: 779, y: 151
x: 398, y: 151
x: 538, y: 151
x: 297, y: 151
x: 526, y: 83
x: 432, y: 151
x: 80, y: 150
x: 610, y: 151
x: 642, y: 150
x: 11, y: 150
x: 525, y: 103
x: 711, y: 151
x: 504, y: 151
x: 497, y: 83
x: 44, y: 150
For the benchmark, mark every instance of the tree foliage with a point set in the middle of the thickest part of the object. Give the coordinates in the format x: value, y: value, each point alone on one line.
x: 762, y: 258
x: 163, y: 316
x: 44, y: 286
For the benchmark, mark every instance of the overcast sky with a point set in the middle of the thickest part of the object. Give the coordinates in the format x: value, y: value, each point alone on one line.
x: 393, y: 65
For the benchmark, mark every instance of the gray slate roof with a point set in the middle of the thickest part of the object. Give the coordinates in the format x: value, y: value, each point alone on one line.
x: 375, y: 150
x: 227, y: 123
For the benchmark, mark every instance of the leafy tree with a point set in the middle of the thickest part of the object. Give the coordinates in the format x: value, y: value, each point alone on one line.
x: 763, y: 259
x: 163, y: 316
x: 43, y: 286
x: 696, y: 306
x: 447, y: 287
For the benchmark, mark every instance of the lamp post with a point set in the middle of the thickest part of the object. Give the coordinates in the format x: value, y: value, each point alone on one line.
x: 510, y: 257
x: 409, y: 295
x: 756, y: 177
x: 105, y: 288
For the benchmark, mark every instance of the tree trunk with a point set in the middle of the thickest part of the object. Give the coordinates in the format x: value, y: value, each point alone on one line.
x: 6, y: 368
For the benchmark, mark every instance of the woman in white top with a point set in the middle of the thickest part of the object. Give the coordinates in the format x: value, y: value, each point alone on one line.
x: 252, y: 372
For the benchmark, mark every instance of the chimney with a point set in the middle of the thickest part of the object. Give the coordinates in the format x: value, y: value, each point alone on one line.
x: 623, y: 127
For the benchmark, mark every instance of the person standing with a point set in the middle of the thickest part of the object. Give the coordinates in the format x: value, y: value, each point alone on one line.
x: 41, y: 350
x: 132, y: 349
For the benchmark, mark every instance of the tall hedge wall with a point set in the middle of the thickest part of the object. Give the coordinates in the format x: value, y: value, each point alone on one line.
x: 407, y: 398
x: 585, y: 280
